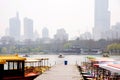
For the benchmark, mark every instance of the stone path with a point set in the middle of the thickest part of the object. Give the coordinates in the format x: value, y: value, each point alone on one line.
x: 61, y: 72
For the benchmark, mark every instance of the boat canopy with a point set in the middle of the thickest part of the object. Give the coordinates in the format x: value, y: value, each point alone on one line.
x: 115, y: 65
x: 29, y: 60
x: 4, y: 58
x: 2, y: 61
x: 101, y: 59
x: 45, y: 58
x: 115, y: 68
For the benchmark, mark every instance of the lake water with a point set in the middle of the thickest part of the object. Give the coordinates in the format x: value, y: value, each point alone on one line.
x: 71, y: 59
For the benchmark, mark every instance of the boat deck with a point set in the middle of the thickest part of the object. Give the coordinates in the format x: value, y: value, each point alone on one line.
x: 61, y: 72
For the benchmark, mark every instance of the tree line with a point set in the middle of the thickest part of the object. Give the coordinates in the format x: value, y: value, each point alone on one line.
x: 9, y: 45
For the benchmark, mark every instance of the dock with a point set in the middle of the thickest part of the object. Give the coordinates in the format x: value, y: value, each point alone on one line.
x: 61, y: 72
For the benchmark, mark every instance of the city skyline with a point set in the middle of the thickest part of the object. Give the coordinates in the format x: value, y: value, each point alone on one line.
x: 74, y: 16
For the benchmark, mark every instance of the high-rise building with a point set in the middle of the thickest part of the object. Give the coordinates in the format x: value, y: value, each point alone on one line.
x: 15, y: 27
x: 61, y: 35
x: 28, y: 28
x: 115, y: 34
x: 101, y: 19
x: 45, y: 33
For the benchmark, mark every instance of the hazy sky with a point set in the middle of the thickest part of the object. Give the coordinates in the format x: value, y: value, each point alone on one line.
x: 75, y: 16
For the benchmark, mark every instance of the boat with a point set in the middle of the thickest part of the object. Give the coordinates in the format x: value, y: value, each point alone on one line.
x: 26, y: 55
x: 60, y: 56
x: 12, y: 67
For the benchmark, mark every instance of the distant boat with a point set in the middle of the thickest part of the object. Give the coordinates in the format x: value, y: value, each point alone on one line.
x: 25, y: 55
x: 60, y: 56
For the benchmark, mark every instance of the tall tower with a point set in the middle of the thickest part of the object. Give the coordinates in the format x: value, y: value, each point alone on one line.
x: 15, y: 27
x: 28, y: 28
x: 101, y: 19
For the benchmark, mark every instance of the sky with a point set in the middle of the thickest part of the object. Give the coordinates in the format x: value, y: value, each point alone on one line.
x: 75, y: 16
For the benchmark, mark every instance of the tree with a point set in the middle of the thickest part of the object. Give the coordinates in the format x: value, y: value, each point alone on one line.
x: 67, y: 45
x: 114, y: 47
x: 4, y: 50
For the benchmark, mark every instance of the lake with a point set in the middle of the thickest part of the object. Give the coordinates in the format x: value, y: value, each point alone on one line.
x: 71, y: 59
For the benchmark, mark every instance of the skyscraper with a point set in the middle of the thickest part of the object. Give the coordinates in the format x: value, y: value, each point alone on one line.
x: 15, y: 27
x: 45, y: 33
x: 28, y: 28
x: 101, y: 19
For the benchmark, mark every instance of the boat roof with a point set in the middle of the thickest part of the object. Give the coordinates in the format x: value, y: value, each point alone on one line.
x: 101, y: 59
x: 115, y: 68
x: 42, y: 58
x: 2, y: 61
x: 4, y: 58
x: 28, y: 60
x: 115, y: 65
x: 104, y: 59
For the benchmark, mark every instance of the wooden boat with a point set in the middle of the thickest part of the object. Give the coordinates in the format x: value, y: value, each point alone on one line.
x: 12, y: 67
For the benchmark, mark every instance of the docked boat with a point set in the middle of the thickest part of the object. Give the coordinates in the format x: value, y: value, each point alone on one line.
x: 12, y: 67
x: 100, y: 68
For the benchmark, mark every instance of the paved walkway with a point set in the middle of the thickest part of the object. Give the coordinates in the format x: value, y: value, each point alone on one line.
x: 61, y: 72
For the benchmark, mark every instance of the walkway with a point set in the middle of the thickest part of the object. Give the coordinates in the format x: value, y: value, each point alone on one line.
x: 61, y: 72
